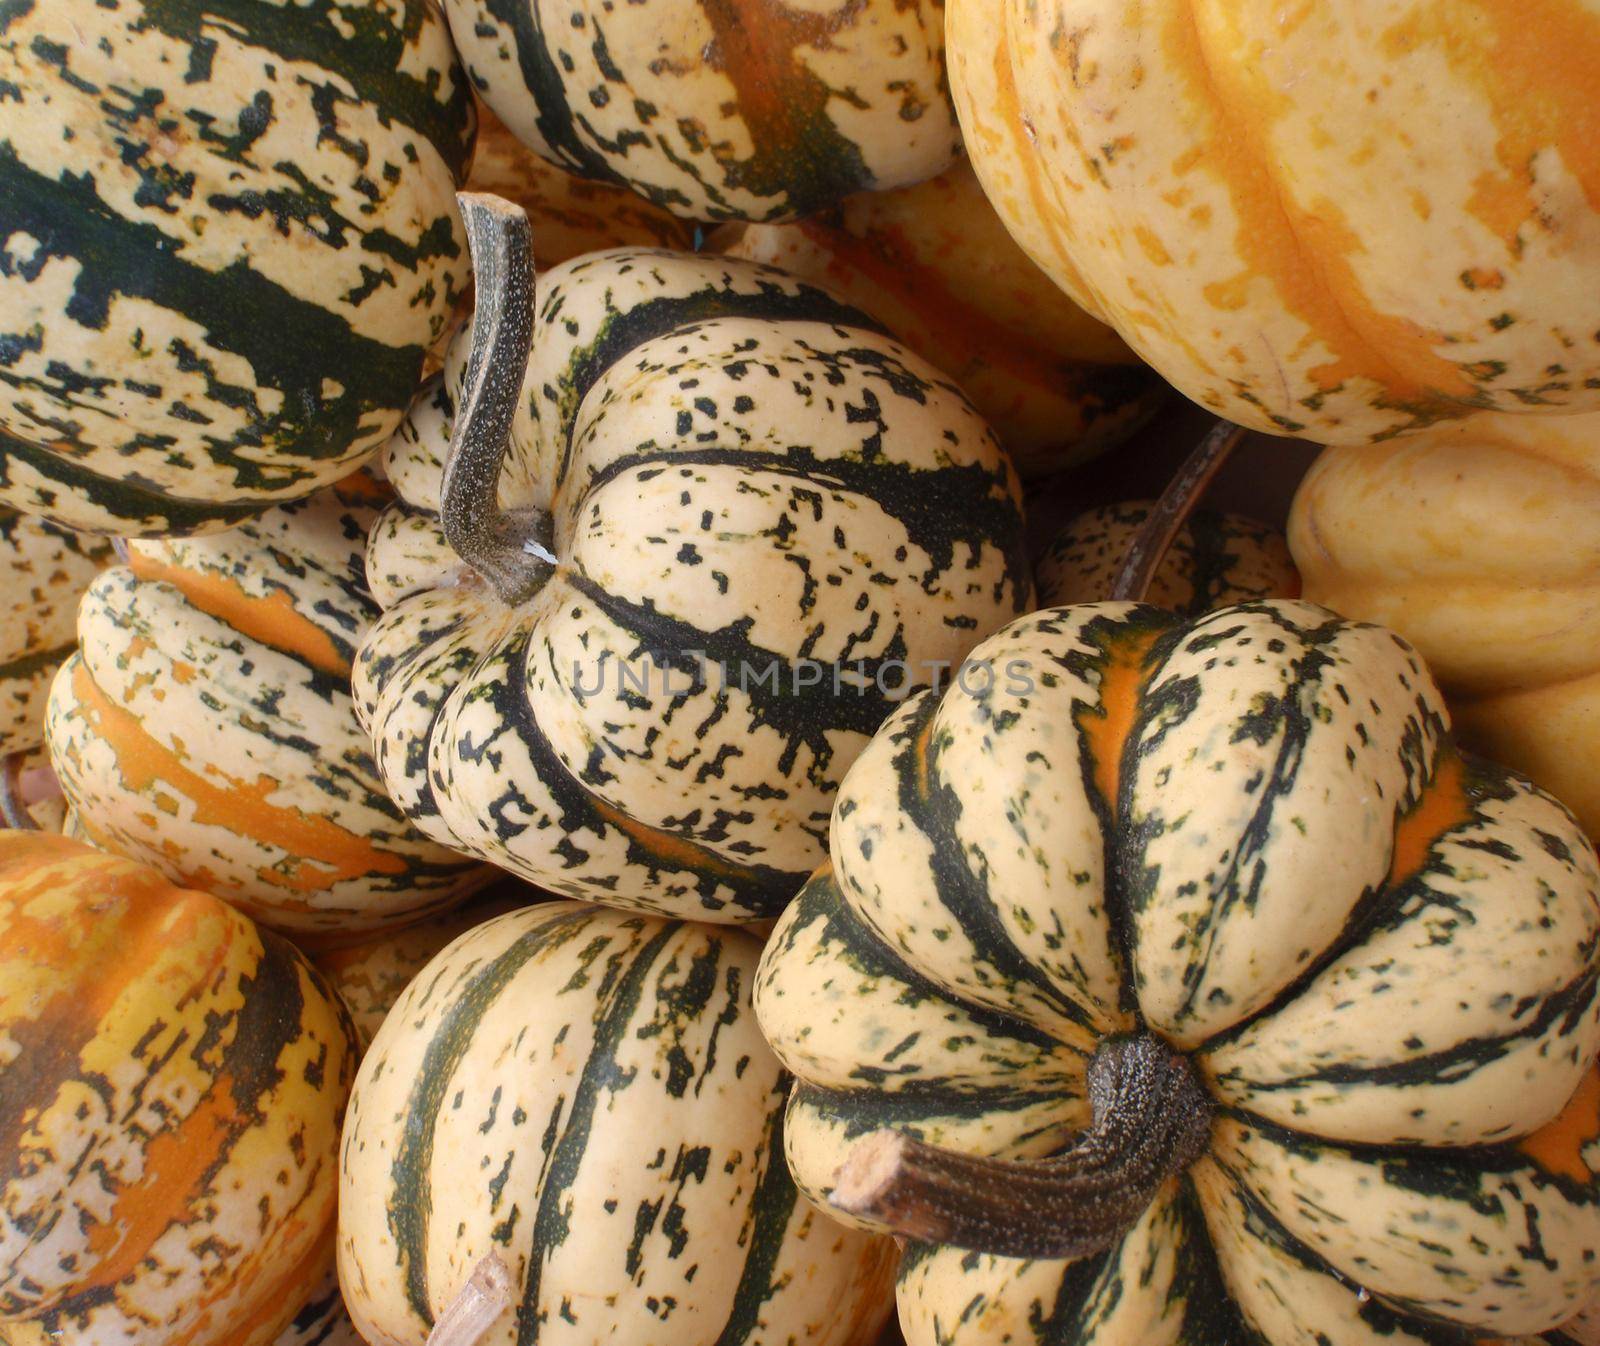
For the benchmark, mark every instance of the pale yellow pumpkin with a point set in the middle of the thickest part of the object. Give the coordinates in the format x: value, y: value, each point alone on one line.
x: 1340, y: 220
x: 1480, y: 543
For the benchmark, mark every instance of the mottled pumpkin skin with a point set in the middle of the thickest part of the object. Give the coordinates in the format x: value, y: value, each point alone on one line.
x: 323, y: 1321
x: 369, y: 976
x: 205, y: 725
x: 720, y: 109
x: 227, y: 236
x: 568, y: 215
x: 1214, y: 561
x: 1341, y: 221
x: 1479, y: 542
x: 934, y: 264
x: 1251, y: 835
x: 586, y: 1093
x: 170, y: 1106
x: 44, y: 570
x: 744, y: 472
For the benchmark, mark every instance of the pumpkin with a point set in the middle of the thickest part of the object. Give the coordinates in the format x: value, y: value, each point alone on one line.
x: 734, y: 520
x: 934, y: 264
x: 171, y: 1098
x: 226, y: 241
x: 1184, y: 983
x: 369, y: 976
x: 323, y: 1321
x: 1338, y: 221
x: 1215, y: 560
x: 1477, y: 542
x: 585, y: 1093
x: 722, y: 110
x: 205, y: 726
x: 569, y: 215
x: 44, y: 570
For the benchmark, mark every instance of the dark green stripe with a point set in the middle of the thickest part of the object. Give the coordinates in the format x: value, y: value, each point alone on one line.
x: 410, y: 1203
x: 39, y: 661
x: 770, y: 1209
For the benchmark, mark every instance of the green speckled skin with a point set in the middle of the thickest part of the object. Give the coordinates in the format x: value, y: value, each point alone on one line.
x: 1250, y: 834
x: 227, y: 237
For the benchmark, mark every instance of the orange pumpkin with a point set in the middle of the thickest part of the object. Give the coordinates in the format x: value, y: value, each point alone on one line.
x: 1341, y: 221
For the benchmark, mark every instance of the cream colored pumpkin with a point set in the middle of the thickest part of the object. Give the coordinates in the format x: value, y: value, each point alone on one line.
x: 1338, y: 220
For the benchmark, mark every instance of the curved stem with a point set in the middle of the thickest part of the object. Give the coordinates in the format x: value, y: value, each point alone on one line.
x: 508, y: 548
x: 476, y: 1307
x: 1168, y: 514
x: 15, y: 801
x: 1152, y: 1119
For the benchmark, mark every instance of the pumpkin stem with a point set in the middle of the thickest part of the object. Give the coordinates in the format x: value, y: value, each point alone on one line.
x: 478, y: 1306
x: 1154, y: 539
x: 20, y: 789
x: 508, y: 548
x: 1152, y: 1119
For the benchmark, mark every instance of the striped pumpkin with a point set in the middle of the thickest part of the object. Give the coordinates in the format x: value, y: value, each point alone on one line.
x: 570, y: 215
x: 323, y: 1321
x: 1478, y: 542
x: 1214, y: 561
x: 205, y: 726
x: 44, y: 570
x: 934, y: 264
x: 585, y: 1093
x: 170, y: 1105
x: 1340, y: 221
x: 743, y: 472
x: 1330, y: 984
x: 370, y: 976
x: 724, y: 109
x: 226, y: 240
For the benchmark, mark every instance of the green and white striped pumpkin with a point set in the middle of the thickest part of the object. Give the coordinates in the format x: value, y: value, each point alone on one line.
x: 585, y: 1093
x: 227, y: 238
x: 739, y: 470
x: 720, y: 109
x: 1359, y: 971
x: 1214, y: 561
x: 44, y: 570
x: 205, y: 725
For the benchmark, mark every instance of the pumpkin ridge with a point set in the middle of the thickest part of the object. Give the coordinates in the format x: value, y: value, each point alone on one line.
x: 773, y: 1204
x: 82, y: 227
x: 565, y: 1154
x: 409, y: 1209
x: 931, y: 806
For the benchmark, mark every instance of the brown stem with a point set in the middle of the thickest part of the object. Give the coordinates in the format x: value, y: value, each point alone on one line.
x: 1168, y: 514
x: 477, y: 1307
x: 508, y: 548
x: 1152, y: 1119
x: 20, y: 790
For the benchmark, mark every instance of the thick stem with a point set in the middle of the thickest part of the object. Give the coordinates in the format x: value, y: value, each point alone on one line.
x: 508, y: 548
x: 1152, y: 1119
x: 478, y: 1306
x: 1168, y: 514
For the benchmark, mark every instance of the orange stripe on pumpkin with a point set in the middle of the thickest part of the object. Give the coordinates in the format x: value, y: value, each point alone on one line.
x: 1106, y: 727
x: 319, y: 851
x: 1444, y: 806
x: 1305, y: 254
x: 273, y: 620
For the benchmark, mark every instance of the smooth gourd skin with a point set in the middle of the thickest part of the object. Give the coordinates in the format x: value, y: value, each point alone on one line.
x: 586, y: 1093
x: 170, y: 1104
x: 228, y: 235
x: 743, y: 472
x: 1478, y: 542
x: 1342, y: 221
x: 1251, y: 835
x: 720, y: 109
x: 205, y: 726
x: 934, y: 264
x: 44, y: 570
x: 569, y: 215
x: 1214, y: 561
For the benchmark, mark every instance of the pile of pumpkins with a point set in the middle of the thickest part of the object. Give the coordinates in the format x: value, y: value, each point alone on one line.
x: 588, y: 757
